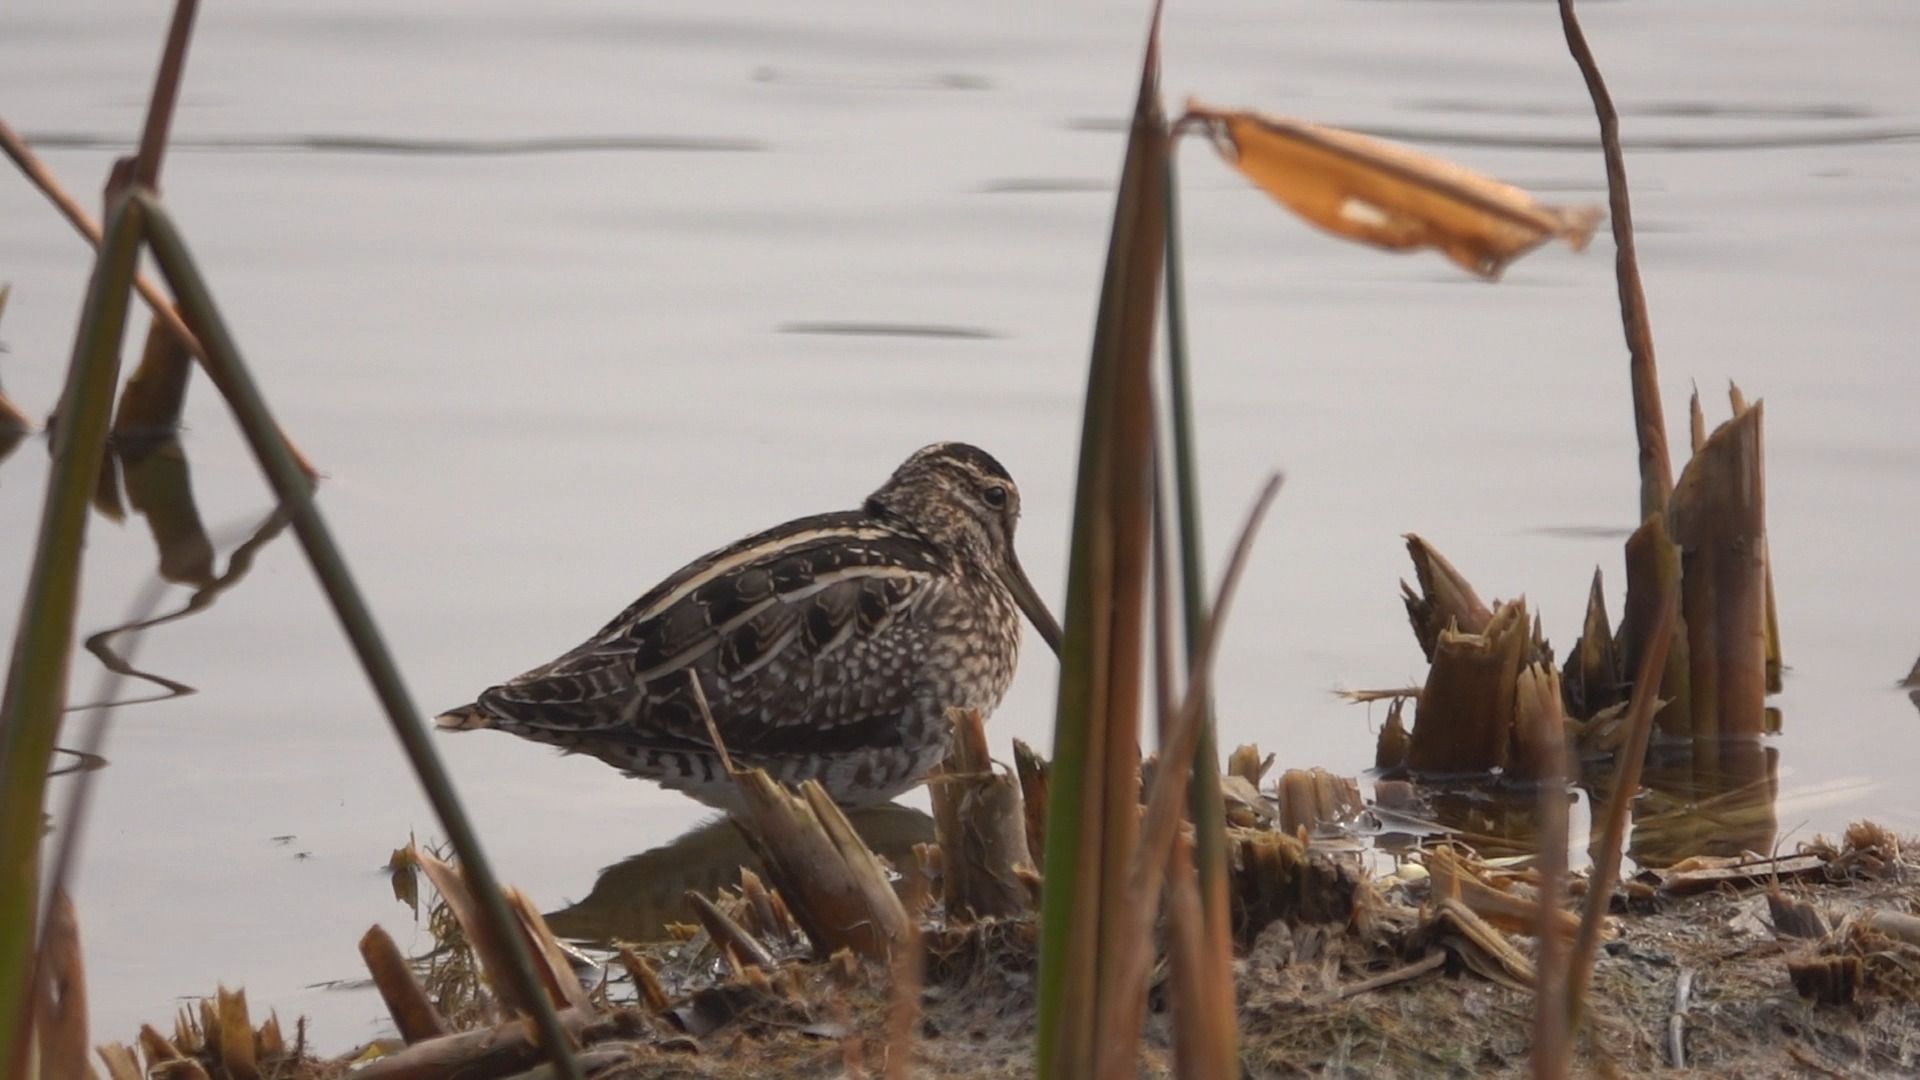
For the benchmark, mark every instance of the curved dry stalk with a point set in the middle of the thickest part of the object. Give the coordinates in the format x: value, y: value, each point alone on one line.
x: 1649, y: 416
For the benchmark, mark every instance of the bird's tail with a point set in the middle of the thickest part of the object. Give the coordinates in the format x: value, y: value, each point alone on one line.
x: 465, y: 718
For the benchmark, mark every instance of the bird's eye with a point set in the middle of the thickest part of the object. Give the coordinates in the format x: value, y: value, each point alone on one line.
x: 995, y: 496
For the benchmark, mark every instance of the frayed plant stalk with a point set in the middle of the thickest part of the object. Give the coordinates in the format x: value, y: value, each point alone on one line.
x: 1653, y: 572
x: 1455, y: 877
x: 734, y: 941
x: 1464, y: 721
x: 1539, y: 722
x: 1445, y: 600
x: 1031, y: 768
x: 1272, y: 876
x: 1311, y: 798
x: 981, y: 826
x: 833, y: 884
x: 1592, y: 680
x: 1719, y: 523
x: 555, y: 975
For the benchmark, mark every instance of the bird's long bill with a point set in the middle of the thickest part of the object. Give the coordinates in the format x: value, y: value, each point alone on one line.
x: 1029, y: 600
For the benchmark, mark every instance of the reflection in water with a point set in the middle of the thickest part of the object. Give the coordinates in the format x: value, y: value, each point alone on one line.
x: 158, y: 486
x: 1713, y: 797
x: 170, y: 525
x: 413, y: 145
x: 1588, y: 143
x: 1709, y: 797
x: 635, y: 899
x: 1496, y: 819
x: 160, y: 490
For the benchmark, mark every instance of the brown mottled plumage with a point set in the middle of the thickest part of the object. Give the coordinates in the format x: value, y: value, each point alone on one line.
x: 829, y: 648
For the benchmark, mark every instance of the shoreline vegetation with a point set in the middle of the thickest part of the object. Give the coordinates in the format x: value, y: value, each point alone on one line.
x: 1092, y: 914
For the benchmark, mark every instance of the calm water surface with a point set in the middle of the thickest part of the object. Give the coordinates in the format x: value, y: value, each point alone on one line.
x: 543, y: 293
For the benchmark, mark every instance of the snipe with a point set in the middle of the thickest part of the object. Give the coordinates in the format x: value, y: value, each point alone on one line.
x: 829, y: 648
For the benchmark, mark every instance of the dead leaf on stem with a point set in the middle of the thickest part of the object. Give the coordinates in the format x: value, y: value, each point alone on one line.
x: 1379, y: 193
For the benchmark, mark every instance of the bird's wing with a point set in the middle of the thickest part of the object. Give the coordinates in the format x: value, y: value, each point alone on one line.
x: 760, y: 623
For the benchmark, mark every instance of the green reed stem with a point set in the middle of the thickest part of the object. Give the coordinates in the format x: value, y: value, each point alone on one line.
x: 37, y: 678
x: 1093, y: 801
x: 292, y: 487
x: 1206, y: 805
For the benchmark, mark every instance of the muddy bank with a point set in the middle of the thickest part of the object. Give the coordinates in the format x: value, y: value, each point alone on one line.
x: 1805, y: 964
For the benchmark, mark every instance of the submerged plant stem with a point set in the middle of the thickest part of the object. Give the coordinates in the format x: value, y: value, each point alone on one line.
x: 294, y: 490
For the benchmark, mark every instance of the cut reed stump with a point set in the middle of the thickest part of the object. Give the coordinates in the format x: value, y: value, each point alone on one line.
x: 1718, y: 515
x: 1311, y: 798
x: 1653, y: 573
x: 834, y: 885
x: 1445, y: 600
x: 1032, y: 770
x: 1464, y: 721
x: 981, y: 826
x: 1592, y: 679
x: 1539, y: 723
x: 413, y: 1013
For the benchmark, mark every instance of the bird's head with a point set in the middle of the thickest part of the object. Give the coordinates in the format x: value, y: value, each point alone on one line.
x: 961, y: 499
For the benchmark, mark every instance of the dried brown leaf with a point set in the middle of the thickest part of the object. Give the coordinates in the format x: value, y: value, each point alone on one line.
x: 1386, y: 195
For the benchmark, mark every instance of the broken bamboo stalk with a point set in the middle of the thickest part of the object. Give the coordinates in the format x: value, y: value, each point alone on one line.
x: 1719, y: 522
x: 1445, y: 600
x: 414, y: 1016
x: 980, y: 825
x: 1463, y: 721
